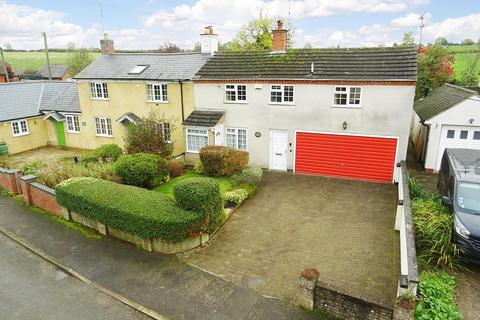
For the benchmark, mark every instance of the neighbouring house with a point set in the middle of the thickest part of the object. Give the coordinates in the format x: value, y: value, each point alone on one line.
x: 58, y: 71
x: 334, y: 112
x: 38, y: 113
x: 448, y: 117
x: 117, y: 90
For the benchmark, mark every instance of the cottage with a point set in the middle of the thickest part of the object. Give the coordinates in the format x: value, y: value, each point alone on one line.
x: 449, y: 117
x: 334, y: 112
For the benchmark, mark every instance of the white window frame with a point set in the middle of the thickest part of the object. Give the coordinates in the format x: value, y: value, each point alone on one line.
x: 282, y: 93
x: 188, y: 134
x: 22, y: 131
x: 164, y: 126
x: 347, y: 92
x: 236, y: 137
x: 94, y: 86
x: 72, y: 118
x: 108, y: 133
x: 163, y: 95
x: 235, y: 89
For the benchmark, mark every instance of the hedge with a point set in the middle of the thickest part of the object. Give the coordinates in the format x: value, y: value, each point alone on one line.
x: 137, y: 211
x: 222, y: 161
x: 107, y: 152
x: 202, y: 196
x: 142, y: 169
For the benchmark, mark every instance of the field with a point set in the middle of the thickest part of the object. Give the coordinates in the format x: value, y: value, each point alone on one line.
x: 22, y: 61
x: 460, y: 54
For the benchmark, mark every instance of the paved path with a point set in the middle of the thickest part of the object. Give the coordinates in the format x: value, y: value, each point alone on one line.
x: 31, y: 288
x: 173, y: 289
x: 343, y: 228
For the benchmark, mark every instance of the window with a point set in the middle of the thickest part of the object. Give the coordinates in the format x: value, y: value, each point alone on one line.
x: 103, y: 127
x: 281, y: 93
x: 463, y: 134
x: 450, y: 134
x: 157, y: 92
x: 19, y: 128
x: 476, y: 135
x: 73, y: 125
x: 138, y: 69
x: 235, y: 93
x: 237, y: 138
x: 347, y: 96
x: 98, y: 90
x: 196, y: 139
x: 165, y: 127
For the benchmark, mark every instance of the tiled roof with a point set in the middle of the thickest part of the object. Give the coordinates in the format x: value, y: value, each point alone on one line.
x: 173, y: 66
x: 58, y: 71
x: 440, y: 100
x: 28, y: 99
x: 200, y: 118
x: 314, y: 64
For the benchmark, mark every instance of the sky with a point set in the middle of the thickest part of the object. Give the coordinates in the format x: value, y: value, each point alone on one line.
x: 147, y: 24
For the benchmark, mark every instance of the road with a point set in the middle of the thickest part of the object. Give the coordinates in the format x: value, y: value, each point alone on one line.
x: 31, y: 288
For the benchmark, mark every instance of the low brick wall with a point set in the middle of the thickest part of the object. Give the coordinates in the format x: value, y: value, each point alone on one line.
x: 39, y: 195
x: 346, y: 307
x: 8, y: 180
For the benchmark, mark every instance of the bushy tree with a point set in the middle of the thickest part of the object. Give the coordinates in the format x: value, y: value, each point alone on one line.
x: 471, y: 74
x: 148, y: 136
x: 434, y: 69
x: 407, y: 40
x: 78, y: 60
x: 468, y: 42
x: 255, y: 35
x: 441, y: 41
x: 169, y: 47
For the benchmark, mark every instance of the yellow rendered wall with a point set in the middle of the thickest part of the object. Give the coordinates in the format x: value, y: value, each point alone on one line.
x: 37, y: 136
x: 128, y: 96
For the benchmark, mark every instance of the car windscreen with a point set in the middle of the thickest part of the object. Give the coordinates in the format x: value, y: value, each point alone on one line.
x: 468, y: 197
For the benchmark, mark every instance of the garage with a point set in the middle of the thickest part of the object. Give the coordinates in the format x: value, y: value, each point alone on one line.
x: 370, y: 158
x: 457, y: 137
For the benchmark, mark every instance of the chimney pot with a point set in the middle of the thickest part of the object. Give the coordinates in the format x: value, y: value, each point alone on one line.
x: 279, y: 38
x: 106, y: 45
x: 279, y: 25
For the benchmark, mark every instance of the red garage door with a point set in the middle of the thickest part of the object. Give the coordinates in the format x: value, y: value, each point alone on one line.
x: 344, y: 156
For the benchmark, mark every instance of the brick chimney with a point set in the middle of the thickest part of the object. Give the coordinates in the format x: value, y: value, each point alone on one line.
x: 209, y: 41
x: 106, y: 45
x: 279, y: 38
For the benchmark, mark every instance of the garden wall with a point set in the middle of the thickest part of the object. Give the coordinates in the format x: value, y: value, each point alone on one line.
x: 8, y: 180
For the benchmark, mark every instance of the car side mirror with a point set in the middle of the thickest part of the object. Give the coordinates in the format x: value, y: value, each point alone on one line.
x: 446, y: 201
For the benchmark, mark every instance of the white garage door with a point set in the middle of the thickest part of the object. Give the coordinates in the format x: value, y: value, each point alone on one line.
x: 458, y: 137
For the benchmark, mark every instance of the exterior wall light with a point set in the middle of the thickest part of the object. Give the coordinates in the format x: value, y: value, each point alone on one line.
x: 471, y: 120
x: 344, y: 125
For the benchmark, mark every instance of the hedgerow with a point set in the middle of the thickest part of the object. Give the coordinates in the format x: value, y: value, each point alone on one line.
x: 134, y: 210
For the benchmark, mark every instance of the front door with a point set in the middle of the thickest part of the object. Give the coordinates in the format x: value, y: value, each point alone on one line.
x: 59, y: 128
x: 278, y: 149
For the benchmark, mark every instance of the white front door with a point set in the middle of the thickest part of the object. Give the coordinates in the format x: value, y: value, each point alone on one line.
x: 457, y: 137
x: 278, y: 149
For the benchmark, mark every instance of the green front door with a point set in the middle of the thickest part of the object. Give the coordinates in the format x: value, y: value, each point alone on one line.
x: 59, y: 128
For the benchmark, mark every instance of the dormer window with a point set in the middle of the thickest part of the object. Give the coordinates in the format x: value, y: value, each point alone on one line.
x: 138, y: 69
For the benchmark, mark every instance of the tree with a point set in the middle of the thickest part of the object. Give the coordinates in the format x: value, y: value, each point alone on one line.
x: 71, y: 46
x: 434, y: 69
x: 407, y: 40
x: 471, y: 74
x: 468, y: 42
x: 169, y: 47
x: 149, y: 135
x: 441, y: 41
x: 255, y: 35
x: 78, y: 60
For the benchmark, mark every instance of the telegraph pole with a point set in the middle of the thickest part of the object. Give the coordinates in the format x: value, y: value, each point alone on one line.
x: 46, y: 53
x: 4, y: 66
x: 422, y: 17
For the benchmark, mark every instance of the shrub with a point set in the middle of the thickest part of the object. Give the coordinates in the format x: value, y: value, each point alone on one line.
x: 235, y: 197
x: 5, y: 162
x: 433, y: 230
x: 222, y: 161
x: 142, y: 169
x: 55, y: 172
x: 175, y: 168
x: 417, y: 191
x: 137, y: 211
x: 147, y: 136
x: 202, y: 196
x: 33, y: 167
x: 437, y: 296
x: 250, y: 175
x: 107, y: 152
x: 250, y: 188
x: 198, y: 167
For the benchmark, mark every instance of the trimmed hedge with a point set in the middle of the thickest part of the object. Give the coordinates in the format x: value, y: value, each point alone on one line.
x: 222, y: 161
x: 250, y: 175
x: 235, y: 197
x: 134, y: 210
x: 142, y: 169
x: 107, y: 152
x: 202, y: 196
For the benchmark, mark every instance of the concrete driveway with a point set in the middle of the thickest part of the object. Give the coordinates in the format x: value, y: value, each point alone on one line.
x: 343, y: 228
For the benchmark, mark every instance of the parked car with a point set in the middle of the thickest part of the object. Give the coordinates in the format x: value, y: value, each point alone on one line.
x: 459, y: 186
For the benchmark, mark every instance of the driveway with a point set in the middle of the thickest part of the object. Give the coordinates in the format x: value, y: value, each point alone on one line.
x: 343, y: 228
x: 46, y: 154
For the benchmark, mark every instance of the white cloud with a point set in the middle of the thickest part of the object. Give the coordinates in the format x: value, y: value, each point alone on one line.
x: 410, y: 20
x: 454, y: 29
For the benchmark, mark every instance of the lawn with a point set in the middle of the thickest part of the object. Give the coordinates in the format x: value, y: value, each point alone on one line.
x: 167, y: 188
x: 22, y: 61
